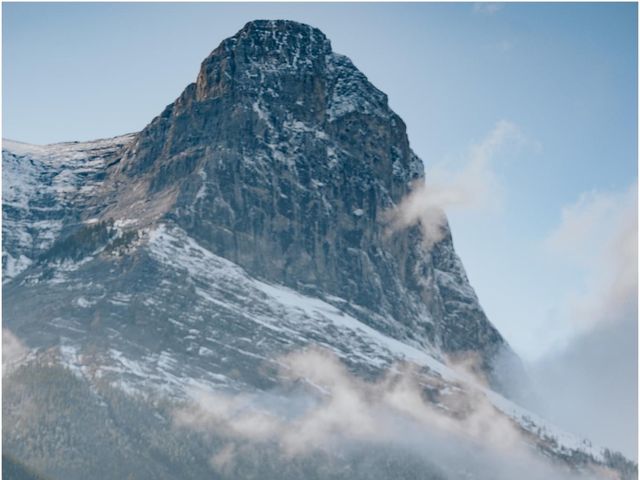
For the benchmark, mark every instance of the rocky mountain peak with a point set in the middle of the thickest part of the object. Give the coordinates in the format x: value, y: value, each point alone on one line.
x: 262, y: 48
x: 285, y: 159
x: 277, y: 82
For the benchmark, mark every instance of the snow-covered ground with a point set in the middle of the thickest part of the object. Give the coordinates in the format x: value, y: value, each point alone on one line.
x: 39, y: 185
x: 290, y: 313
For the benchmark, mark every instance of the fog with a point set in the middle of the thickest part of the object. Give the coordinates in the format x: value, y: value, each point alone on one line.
x: 13, y: 350
x: 589, y: 384
x: 321, y: 407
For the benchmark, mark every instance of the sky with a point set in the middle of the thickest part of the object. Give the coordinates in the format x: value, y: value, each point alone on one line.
x: 529, y: 110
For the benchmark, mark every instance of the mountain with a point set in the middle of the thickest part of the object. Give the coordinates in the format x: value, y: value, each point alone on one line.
x: 246, y: 222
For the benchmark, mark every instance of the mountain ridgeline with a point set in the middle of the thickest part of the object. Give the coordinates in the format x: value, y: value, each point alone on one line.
x: 249, y: 220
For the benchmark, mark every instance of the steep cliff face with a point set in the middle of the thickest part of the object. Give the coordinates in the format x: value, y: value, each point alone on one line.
x: 283, y: 158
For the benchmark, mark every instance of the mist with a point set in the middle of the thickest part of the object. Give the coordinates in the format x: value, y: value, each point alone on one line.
x: 13, y: 350
x: 591, y: 387
x: 589, y: 383
x: 321, y: 407
x: 473, y: 186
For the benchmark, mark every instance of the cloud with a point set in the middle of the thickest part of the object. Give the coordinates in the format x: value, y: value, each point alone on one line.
x: 599, y: 234
x: 13, y: 350
x: 331, y: 410
x: 475, y: 187
x: 590, y: 386
x: 589, y: 383
x: 487, y: 8
x: 223, y: 461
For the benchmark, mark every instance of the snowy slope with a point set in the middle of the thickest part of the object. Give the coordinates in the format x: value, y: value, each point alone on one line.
x: 235, y: 319
x: 43, y: 187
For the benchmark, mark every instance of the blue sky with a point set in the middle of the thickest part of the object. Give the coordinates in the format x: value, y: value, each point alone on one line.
x: 563, y: 75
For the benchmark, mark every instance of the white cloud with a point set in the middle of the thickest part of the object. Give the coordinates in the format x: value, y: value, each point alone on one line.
x: 475, y: 187
x: 464, y: 435
x: 13, y: 350
x: 224, y: 460
x: 599, y: 234
x: 589, y: 383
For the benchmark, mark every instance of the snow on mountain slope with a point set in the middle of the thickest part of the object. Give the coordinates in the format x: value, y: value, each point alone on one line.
x: 306, y: 317
x: 43, y: 188
x: 273, y: 319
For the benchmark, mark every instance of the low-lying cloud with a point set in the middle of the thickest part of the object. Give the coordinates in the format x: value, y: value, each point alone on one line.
x: 589, y: 384
x: 463, y: 436
x: 475, y: 186
x: 13, y: 350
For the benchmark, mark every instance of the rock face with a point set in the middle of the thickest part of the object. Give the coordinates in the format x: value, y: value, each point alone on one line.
x: 247, y: 220
x: 283, y: 158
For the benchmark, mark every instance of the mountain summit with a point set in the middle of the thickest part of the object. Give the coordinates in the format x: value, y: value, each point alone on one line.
x: 283, y: 158
x: 246, y: 221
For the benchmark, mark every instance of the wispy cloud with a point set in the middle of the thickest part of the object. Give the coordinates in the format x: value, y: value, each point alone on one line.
x: 463, y: 435
x: 590, y: 382
x: 487, y: 8
x: 599, y: 234
x: 13, y: 350
x: 475, y: 186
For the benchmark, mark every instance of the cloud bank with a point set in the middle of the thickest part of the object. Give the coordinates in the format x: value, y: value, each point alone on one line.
x: 590, y: 384
x: 332, y: 411
x: 599, y: 234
